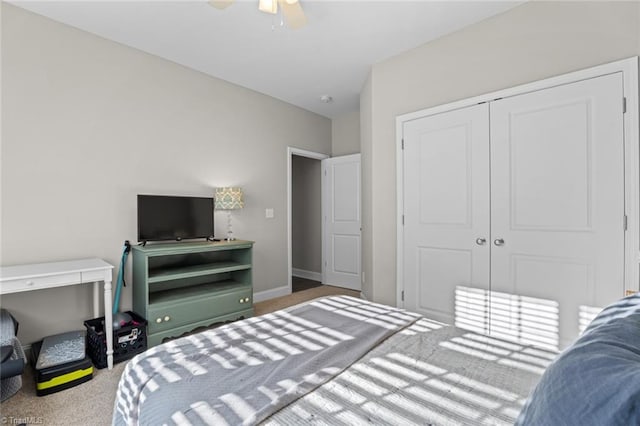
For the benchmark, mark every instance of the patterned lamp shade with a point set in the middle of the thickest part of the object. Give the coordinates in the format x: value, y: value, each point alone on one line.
x: 229, y: 198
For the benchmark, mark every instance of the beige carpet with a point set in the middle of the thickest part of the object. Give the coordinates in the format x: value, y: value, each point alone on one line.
x: 91, y: 403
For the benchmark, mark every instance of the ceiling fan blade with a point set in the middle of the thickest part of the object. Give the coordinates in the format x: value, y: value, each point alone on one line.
x: 293, y: 14
x: 268, y: 6
x: 221, y: 4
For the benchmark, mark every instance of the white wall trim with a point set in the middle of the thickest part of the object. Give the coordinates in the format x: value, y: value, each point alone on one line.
x: 291, y: 151
x: 261, y: 296
x: 632, y: 175
x: 629, y: 69
x: 309, y: 275
x: 399, y: 212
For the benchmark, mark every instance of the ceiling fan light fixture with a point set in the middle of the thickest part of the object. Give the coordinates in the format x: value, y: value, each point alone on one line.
x: 293, y: 14
x: 291, y: 10
x: 268, y: 6
x: 220, y: 4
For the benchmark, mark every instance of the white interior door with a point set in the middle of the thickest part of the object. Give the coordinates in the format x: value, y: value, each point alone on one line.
x: 557, y: 185
x: 342, y: 221
x: 446, y: 216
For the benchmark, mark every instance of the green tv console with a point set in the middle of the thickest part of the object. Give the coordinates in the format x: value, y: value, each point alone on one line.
x: 178, y: 287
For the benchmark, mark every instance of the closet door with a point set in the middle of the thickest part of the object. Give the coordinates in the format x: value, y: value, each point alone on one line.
x: 557, y: 206
x: 446, y: 223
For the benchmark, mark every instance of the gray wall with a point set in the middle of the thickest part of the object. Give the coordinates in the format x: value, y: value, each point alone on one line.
x: 528, y: 43
x: 306, y: 217
x: 87, y: 124
x: 345, y: 134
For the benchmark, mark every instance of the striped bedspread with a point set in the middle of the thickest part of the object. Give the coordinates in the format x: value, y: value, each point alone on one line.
x: 243, y: 372
x: 426, y: 374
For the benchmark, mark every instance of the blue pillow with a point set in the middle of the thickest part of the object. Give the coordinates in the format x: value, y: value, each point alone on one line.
x: 595, y: 381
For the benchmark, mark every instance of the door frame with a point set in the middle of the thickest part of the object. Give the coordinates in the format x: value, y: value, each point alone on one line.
x: 629, y: 69
x: 291, y: 151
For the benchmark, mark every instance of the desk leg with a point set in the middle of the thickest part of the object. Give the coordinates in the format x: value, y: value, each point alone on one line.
x: 108, y: 322
x: 96, y: 299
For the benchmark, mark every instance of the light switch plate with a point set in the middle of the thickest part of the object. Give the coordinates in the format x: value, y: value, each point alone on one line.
x: 268, y: 213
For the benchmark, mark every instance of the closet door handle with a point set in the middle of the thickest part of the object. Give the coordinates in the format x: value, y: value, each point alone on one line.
x: 498, y: 242
x: 481, y: 241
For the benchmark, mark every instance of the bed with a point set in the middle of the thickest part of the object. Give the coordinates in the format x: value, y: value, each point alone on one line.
x: 346, y: 361
x: 336, y: 360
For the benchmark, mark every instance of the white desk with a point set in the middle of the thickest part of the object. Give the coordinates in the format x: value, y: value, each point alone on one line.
x: 37, y: 276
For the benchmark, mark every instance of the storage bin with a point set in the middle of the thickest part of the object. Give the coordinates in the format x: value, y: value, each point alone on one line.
x: 128, y: 341
x: 61, y: 376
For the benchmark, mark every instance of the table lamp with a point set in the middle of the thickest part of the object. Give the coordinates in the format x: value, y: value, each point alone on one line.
x: 229, y: 198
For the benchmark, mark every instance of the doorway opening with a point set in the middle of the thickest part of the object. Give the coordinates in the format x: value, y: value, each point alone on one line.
x: 305, y: 219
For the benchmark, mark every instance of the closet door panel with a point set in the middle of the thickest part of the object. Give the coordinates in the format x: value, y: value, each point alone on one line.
x: 557, y: 202
x: 446, y: 204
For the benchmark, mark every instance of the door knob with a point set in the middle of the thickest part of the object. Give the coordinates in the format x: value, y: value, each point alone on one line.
x: 498, y: 242
x: 480, y: 241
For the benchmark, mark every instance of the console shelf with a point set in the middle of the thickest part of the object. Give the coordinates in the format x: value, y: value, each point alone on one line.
x: 177, y: 273
x: 178, y: 287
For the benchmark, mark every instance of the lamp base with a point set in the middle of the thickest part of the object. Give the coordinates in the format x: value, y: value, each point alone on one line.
x: 230, y: 236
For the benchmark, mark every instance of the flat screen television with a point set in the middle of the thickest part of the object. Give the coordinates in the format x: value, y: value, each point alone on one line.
x: 165, y: 217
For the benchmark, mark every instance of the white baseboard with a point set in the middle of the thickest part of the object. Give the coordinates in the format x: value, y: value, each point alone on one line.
x: 310, y: 275
x: 27, y: 352
x: 271, y: 294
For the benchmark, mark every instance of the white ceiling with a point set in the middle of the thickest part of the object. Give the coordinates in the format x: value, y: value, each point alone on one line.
x: 331, y: 55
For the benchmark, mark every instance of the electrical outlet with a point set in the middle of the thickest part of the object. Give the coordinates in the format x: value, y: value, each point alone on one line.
x: 268, y: 213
